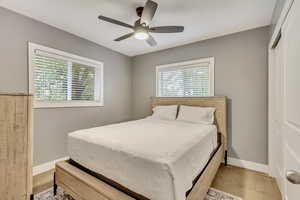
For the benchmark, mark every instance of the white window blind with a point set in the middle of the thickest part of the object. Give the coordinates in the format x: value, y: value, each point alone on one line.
x: 50, y: 79
x: 83, y: 83
x: 194, y: 79
x: 60, y: 79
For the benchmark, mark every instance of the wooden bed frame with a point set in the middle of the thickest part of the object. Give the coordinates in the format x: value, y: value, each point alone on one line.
x: 83, y: 186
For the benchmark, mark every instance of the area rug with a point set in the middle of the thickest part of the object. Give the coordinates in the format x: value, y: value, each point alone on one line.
x: 212, y: 194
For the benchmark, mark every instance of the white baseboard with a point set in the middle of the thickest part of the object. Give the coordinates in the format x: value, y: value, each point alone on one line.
x: 248, y: 165
x: 47, y: 166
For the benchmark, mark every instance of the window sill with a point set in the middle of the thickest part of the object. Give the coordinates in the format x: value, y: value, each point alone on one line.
x: 66, y: 104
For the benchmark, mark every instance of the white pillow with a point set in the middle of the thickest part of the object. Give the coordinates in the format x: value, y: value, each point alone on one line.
x: 194, y: 114
x: 165, y: 112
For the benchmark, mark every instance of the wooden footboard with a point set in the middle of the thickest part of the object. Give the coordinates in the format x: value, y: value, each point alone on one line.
x: 83, y: 186
x: 201, y: 187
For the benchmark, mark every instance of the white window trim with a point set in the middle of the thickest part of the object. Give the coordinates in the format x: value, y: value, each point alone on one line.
x: 210, y: 60
x: 32, y: 47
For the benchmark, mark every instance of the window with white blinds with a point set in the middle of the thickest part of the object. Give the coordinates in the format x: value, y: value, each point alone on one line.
x: 186, y: 79
x: 60, y: 79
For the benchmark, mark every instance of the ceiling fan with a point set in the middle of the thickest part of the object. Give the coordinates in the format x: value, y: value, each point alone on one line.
x: 141, y: 29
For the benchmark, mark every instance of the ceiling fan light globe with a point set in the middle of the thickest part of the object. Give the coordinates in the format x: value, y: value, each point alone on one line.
x: 141, y: 35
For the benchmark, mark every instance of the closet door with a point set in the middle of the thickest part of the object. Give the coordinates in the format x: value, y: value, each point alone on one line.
x: 291, y: 101
x: 15, y: 148
x: 276, y: 115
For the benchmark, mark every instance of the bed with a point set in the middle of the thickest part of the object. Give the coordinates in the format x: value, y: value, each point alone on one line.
x: 147, y: 158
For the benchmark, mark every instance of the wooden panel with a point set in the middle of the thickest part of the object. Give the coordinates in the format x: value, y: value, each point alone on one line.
x: 201, y: 187
x: 217, y: 102
x: 85, y: 186
x: 29, y: 146
x: 70, y: 184
x: 43, y: 181
x: 14, y: 179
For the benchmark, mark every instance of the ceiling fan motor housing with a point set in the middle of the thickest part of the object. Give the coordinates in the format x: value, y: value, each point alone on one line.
x: 139, y: 11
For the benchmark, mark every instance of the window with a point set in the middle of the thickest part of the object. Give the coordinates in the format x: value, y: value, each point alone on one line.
x: 60, y: 79
x: 187, y: 79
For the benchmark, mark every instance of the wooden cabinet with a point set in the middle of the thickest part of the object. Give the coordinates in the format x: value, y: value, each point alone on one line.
x: 15, y: 146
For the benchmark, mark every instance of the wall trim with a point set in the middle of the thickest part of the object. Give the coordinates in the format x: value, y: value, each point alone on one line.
x: 248, y: 165
x: 47, y: 166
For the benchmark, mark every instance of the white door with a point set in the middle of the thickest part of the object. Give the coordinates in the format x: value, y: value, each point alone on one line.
x: 276, y: 161
x: 291, y: 99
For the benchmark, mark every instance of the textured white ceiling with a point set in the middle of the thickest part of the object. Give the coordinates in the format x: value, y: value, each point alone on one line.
x: 202, y: 19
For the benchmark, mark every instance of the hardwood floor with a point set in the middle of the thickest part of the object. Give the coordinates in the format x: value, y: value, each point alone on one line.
x: 247, y: 184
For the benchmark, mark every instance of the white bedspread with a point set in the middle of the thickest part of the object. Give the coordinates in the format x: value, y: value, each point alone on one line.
x: 156, y: 158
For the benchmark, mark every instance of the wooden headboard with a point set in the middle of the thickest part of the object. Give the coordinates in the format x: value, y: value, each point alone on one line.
x: 217, y: 102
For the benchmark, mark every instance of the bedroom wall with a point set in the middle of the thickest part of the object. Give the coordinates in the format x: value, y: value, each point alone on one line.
x: 52, y: 125
x: 240, y: 74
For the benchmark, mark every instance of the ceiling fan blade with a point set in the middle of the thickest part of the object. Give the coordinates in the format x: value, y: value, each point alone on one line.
x: 151, y: 41
x: 113, y: 21
x: 149, y: 12
x: 124, y: 37
x: 167, y: 29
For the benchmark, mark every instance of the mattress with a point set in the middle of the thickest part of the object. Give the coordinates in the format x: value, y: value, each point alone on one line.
x: 158, y: 159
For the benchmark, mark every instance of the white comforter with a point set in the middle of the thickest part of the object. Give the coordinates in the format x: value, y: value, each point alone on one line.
x: 156, y: 158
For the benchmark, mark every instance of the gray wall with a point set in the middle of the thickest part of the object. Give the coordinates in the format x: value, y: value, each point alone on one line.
x: 52, y: 125
x: 240, y: 74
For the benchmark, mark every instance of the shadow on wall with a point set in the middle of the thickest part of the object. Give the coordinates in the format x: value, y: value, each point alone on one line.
x: 231, y: 151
